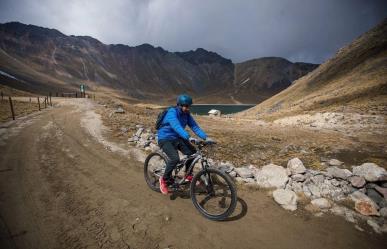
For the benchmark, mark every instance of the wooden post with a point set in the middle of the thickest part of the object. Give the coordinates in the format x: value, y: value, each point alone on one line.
x: 39, y: 103
x: 76, y: 94
x: 56, y: 95
x: 30, y: 99
x: 62, y: 95
x: 50, y: 100
x: 45, y: 104
x: 2, y: 96
x: 10, y: 103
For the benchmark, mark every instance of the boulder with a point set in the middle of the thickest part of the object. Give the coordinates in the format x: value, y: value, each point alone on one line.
x: 383, y: 212
x: 296, y: 166
x: 271, y: 176
x: 298, y: 177
x: 286, y: 198
x: 382, y: 191
x: 335, y: 162
x: 338, y: 173
x: 357, y: 181
x: 321, y: 203
x: 226, y: 167
x: 374, y: 195
x: 317, y: 179
x: 244, y: 172
x: 370, y: 171
x: 363, y: 204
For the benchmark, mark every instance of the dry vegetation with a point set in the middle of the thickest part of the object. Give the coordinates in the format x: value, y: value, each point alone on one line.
x: 354, y: 80
x: 21, y: 108
x: 245, y: 142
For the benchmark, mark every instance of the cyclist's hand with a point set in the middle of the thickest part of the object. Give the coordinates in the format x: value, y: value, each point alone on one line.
x: 193, y: 140
x: 210, y: 141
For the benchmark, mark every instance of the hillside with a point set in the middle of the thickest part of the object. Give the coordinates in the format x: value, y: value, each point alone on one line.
x: 354, y: 80
x: 266, y: 76
x: 45, y: 60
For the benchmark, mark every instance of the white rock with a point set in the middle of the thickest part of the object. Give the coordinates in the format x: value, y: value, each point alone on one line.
x: 370, y: 171
x: 139, y: 132
x: 271, y: 176
x: 233, y: 174
x: 244, y: 172
x: 321, y: 203
x: 335, y: 162
x: 286, y: 198
x: 357, y: 181
x: 296, y: 166
x: 338, y: 173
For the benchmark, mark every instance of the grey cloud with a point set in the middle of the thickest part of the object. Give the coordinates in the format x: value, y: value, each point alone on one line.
x: 299, y: 30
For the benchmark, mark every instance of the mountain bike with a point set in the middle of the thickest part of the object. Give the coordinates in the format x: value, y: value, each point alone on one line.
x: 212, y: 191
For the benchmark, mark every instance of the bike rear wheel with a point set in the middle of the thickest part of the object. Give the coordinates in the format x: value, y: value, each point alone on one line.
x: 213, y: 193
x: 154, y: 168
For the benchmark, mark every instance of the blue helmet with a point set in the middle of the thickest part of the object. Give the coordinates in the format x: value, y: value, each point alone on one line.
x: 184, y: 100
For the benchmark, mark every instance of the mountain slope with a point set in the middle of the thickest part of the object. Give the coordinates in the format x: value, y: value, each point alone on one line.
x: 355, y: 79
x: 48, y: 59
x: 266, y: 76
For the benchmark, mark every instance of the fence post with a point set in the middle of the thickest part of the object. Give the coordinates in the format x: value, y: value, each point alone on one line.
x: 39, y: 103
x: 56, y: 95
x: 30, y: 99
x: 2, y: 96
x: 62, y: 95
x: 50, y: 100
x: 10, y: 103
x: 45, y: 104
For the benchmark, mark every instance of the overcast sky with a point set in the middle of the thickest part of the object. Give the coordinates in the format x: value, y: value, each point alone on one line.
x: 299, y: 30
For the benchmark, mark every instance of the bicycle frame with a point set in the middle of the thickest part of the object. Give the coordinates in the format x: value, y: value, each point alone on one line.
x: 198, y: 156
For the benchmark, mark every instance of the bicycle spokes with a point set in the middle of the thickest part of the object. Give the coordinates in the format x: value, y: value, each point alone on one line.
x: 214, y: 197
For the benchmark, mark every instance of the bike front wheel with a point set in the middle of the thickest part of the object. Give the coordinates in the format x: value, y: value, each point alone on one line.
x: 213, y: 193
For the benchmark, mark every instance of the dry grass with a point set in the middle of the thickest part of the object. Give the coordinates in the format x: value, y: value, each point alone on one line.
x: 21, y: 108
x: 353, y: 80
x: 245, y: 143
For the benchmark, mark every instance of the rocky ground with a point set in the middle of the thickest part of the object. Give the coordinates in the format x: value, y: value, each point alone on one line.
x: 66, y: 182
x: 321, y: 166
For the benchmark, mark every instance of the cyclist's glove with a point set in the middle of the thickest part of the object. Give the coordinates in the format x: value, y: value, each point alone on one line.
x: 193, y: 140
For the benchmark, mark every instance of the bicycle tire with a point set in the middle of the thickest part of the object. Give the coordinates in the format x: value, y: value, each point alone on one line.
x: 231, y: 186
x: 151, y: 184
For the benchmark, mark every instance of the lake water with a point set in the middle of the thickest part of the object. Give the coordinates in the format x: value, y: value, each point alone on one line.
x: 225, y: 109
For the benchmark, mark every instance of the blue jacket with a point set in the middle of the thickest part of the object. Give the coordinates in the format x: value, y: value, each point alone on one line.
x: 174, y: 123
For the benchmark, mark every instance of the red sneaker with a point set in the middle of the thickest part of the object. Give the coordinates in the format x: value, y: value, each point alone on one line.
x: 163, y: 186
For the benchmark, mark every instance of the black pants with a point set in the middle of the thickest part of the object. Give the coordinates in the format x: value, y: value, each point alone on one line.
x: 171, y: 147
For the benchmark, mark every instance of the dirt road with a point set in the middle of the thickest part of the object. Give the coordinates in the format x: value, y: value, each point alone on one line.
x: 60, y: 188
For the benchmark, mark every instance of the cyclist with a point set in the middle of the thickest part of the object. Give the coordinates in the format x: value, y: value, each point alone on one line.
x: 173, y: 137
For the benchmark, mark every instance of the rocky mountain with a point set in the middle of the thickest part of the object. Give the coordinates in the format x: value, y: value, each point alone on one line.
x: 354, y: 80
x: 266, y: 76
x: 45, y: 60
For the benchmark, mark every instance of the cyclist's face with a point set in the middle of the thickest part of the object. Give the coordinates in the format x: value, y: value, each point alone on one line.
x: 185, y: 108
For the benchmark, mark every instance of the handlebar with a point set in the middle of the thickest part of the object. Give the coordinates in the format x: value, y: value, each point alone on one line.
x: 201, y: 142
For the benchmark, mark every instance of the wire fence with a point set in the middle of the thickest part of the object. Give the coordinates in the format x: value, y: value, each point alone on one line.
x: 21, y: 105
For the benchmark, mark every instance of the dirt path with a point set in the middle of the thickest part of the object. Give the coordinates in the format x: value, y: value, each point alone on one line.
x: 60, y: 188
